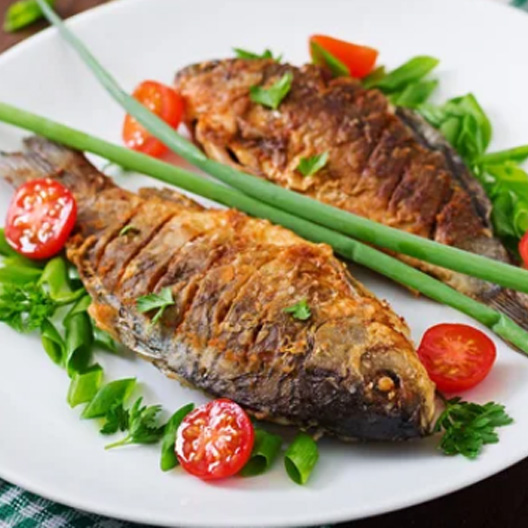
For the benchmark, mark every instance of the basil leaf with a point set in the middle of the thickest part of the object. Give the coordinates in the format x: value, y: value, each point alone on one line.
x: 19, y: 275
x: 272, y: 96
x: 321, y: 57
x: 413, y: 70
x: 108, y: 396
x: 374, y: 77
x: 104, y: 340
x: 168, y: 456
x: 84, y: 385
x: 516, y: 154
x: 414, y: 94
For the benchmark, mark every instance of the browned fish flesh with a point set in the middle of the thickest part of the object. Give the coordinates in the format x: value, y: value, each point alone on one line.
x: 349, y: 370
x: 385, y: 164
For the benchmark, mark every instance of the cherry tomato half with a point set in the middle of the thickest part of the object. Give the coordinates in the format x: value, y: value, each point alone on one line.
x: 165, y: 103
x: 523, y: 249
x: 40, y: 218
x: 215, y: 440
x: 457, y: 357
x: 360, y: 60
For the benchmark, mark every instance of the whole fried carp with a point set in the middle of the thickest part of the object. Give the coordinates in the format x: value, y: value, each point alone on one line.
x: 385, y: 164
x: 350, y: 369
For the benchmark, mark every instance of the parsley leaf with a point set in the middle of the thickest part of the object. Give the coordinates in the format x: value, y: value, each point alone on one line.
x: 272, y: 96
x: 299, y: 310
x: 245, y: 54
x: 25, y: 307
x: 143, y: 427
x: 117, y: 419
x: 467, y: 427
x: 160, y: 300
x: 129, y: 229
x: 309, y: 166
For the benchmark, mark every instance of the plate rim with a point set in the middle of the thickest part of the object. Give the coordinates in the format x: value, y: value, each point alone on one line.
x: 337, y: 515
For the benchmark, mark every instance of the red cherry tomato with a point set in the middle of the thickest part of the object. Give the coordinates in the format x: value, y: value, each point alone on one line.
x: 215, y: 440
x: 40, y: 218
x: 360, y: 60
x: 457, y: 357
x: 165, y: 103
x: 523, y: 249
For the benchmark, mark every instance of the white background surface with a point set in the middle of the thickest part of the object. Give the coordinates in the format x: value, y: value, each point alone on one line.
x: 46, y: 449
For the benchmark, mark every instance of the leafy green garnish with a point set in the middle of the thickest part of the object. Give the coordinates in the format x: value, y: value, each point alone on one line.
x: 25, y: 308
x: 22, y: 14
x: 153, y: 301
x: 467, y: 427
x: 300, y: 310
x: 413, y: 70
x: 129, y: 229
x: 168, y: 456
x: 414, y: 94
x: 272, y: 96
x: 84, y: 385
x: 116, y: 419
x: 245, y: 54
x: 309, y: 166
x: 322, y: 57
x: 374, y: 77
x: 108, y: 396
x: 143, y: 427
x: 53, y: 343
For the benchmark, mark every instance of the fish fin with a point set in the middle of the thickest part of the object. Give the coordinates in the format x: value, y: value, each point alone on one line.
x: 511, y: 303
x: 18, y: 168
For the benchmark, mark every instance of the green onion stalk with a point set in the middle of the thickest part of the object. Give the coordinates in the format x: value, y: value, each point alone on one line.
x: 299, y: 205
x: 342, y: 244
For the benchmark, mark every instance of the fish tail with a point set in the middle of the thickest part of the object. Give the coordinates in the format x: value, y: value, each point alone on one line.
x: 511, y: 303
x: 43, y: 158
x: 18, y: 168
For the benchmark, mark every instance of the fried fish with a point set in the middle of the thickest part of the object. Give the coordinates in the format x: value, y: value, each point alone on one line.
x: 385, y: 164
x: 349, y: 369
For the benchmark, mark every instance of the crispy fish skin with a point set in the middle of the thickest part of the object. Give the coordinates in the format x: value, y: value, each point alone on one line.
x: 350, y: 370
x: 384, y: 164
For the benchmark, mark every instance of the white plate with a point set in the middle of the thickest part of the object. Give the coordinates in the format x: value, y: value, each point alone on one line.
x: 45, y: 448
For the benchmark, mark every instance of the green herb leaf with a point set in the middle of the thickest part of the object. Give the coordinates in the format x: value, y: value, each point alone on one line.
x: 309, y: 166
x: 299, y: 310
x: 52, y: 342
x: 129, y: 230
x: 84, y: 385
x: 265, y: 451
x: 245, y: 54
x: 153, y: 301
x: 108, y: 396
x: 374, y: 77
x: 169, y: 459
x: 15, y: 274
x: 22, y: 14
x: 5, y: 249
x: 410, y: 72
x: 467, y: 427
x: 272, y: 96
x: 516, y: 154
x: 116, y: 419
x: 25, y: 308
x: 143, y: 426
x: 414, y: 94
x: 300, y: 458
x: 322, y: 57
x: 104, y: 340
